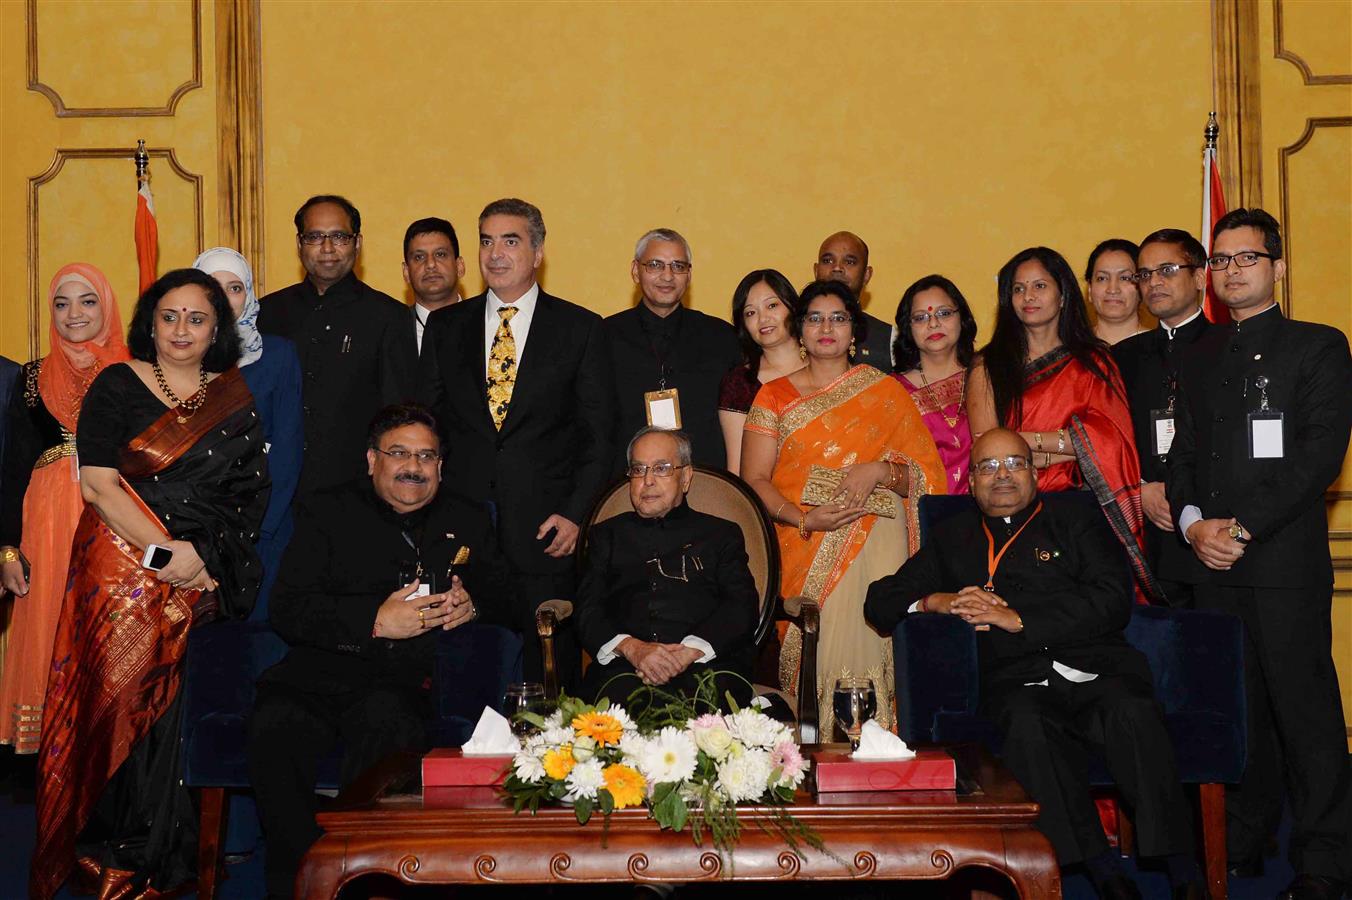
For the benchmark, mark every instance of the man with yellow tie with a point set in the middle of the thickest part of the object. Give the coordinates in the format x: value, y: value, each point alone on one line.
x: 521, y: 383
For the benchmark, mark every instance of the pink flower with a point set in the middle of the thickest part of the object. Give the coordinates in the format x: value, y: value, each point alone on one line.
x: 789, y: 760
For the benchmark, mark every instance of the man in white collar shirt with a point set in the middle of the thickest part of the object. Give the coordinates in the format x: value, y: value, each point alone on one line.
x: 1171, y: 273
x: 521, y: 381
x: 433, y: 268
x: 1262, y: 433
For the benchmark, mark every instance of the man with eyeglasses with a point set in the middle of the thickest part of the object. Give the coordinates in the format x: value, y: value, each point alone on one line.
x: 1265, y: 416
x: 1171, y: 273
x: 668, y: 360
x: 666, y: 593
x: 843, y: 257
x: 377, y: 567
x: 1046, y: 585
x: 356, y: 345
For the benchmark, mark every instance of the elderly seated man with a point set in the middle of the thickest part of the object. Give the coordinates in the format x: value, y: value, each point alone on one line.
x: 376, y: 568
x: 1047, y: 588
x: 666, y: 593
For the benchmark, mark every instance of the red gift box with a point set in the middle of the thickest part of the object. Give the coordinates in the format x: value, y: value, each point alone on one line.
x: 448, y: 767
x: 929, y: 770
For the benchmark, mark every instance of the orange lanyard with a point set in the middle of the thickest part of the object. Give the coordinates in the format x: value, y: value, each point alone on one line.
x: 993, y: 558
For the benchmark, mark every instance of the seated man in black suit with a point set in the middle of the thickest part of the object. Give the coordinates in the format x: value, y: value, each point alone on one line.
x: 1047, y: 587
x: 366, y: 583
x: 666, y: 593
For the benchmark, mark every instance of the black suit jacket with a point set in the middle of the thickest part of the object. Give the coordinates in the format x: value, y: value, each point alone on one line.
x: 663, y: 579
x: 554, y: 452
x: 876, y: 349
x: 1066, y: 575
x: 346, y: 557
x: 1279, y: 501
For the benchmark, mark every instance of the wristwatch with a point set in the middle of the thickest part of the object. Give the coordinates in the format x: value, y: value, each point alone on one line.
x: 1236, y: 532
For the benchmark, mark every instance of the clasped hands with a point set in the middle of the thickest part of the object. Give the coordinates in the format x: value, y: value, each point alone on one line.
x: 404, y: 616
x: 1211, y: 541
x: 657, y: 663
x: 977, y: 606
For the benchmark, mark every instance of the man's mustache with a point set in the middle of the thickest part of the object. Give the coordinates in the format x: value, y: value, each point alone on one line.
x: 411, y: 478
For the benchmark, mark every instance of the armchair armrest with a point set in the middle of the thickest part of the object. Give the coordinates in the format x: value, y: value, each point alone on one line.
x: 934, y: 656
x: 548, y: 615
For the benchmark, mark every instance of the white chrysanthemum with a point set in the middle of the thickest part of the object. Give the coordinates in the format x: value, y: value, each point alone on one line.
x: 670, y: 756
x: 632, y: 747
x: 557, y: 735
x: 528, y: 767
x: 744, y: 777
x: 755, y: 729
x: 554, y: 719
x: 584, y: 780
x: 619, y: 715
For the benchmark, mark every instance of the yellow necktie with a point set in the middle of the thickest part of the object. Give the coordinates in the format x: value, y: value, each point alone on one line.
x: 502, y: 368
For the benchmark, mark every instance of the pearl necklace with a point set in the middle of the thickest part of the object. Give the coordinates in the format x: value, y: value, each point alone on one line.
x: 193, y: 403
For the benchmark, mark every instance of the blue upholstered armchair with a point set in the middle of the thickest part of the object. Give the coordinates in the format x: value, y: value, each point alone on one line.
x: 1196, y: 658
x: 473, y: 666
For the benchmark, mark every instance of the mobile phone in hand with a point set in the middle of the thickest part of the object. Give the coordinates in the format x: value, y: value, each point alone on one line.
x: 156, y: 557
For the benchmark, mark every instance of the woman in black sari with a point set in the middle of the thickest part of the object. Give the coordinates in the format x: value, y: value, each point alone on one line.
x: 171, y: 453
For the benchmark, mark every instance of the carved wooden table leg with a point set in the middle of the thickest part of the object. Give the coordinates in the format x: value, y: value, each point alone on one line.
x: 1031, y: 864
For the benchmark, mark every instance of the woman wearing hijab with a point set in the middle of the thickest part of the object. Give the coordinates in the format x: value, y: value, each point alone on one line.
x: 271, y: 369
x: 40, y: 502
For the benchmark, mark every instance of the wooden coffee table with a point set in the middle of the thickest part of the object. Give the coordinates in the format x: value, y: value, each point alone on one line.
x: 384, y: 824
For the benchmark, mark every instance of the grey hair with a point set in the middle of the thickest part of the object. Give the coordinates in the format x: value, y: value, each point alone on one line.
x: 683, y: 447
x: 662, y: 234
x: 511, y: 206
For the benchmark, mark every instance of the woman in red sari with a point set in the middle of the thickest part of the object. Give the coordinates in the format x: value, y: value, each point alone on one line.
x: 1045, y: 375
x: 171, y: 453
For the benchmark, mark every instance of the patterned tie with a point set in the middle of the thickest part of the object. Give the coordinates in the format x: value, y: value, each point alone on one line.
x: 502, y: 368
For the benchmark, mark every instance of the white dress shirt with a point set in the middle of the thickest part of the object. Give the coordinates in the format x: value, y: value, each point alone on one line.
x: 520, y: 323
x: 607, y: 653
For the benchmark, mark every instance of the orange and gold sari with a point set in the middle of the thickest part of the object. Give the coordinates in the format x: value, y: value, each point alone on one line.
x: 862, y: 416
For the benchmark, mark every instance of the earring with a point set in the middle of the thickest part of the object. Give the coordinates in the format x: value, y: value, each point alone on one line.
x: 852, y: 350
x: 802, y: 351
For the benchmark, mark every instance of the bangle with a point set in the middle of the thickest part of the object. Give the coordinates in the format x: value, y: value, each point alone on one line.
x: 1037, y: 438
x: 802, y: 526
x: 775, y: 517
x: 1061, y: 441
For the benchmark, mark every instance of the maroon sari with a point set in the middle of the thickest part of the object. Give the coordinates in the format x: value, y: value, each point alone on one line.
x: 116, y: 665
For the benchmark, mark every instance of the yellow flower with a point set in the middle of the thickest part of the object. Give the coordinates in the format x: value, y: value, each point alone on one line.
x: 558, y: 763
x: 600, y: 727
x: 626, y: 786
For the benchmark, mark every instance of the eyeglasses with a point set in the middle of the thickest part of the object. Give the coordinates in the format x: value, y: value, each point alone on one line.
x: 816, y: 319
x: 1243, y: 260
x: 940, y: 315
x: 1166, y: 271
x: 399, y: 454
x: 990, y: 466
x: 677, y: 266
x: 315, y: 238
x: 661, y: 470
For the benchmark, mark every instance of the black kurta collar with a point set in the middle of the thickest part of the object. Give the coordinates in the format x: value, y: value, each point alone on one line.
x: 341, y: 291
x: 1016, y: 519
x: 1259, y: 323
x: 677, y: 516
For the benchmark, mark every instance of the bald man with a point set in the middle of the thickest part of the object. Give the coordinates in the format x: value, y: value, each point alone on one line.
x: 844, y: 257
x: 1057, y: 675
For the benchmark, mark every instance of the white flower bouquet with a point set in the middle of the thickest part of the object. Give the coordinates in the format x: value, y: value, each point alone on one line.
x: 683, y: 759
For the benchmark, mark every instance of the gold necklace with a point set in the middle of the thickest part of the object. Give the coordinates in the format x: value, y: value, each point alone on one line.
x: 962, y: 399
x: 193, y: 403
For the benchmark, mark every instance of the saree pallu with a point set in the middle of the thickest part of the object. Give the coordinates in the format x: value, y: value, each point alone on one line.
x: 944, y: 410
x: 117, y: 661
x: 863, y: 416
x: 1060, y: 392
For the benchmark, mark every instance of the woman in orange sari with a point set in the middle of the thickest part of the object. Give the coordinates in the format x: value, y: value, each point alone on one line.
x: 857, y: 420
x: 1045, y: 375
x: 41, y: 502
x: 171, y: 454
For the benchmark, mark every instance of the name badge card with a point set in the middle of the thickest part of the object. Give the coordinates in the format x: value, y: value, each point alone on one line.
x: 1265, y: 435
x: 664, y: 408
x: 1162, y: 430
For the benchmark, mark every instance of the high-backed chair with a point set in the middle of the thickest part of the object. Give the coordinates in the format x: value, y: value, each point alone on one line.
x: 472, y: 668
x: 716, y: 493
x: 1196, y: 657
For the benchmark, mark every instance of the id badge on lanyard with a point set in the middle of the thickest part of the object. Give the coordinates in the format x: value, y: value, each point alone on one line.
x: 1265, y: 429
x: 1162, y: 430
x: 663, y: 408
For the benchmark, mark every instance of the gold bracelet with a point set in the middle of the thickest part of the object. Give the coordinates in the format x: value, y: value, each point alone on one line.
x: 775, y: 517
x: 1061, y: 441
x: 1037, y: 437
x: 802, y: 526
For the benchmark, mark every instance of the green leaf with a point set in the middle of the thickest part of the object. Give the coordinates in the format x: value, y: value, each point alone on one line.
x: 606, y: 800
x: 583, y: 808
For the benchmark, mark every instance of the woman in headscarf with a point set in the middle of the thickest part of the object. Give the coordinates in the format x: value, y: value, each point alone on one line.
x: 271, y: 369
x: 40, y: 504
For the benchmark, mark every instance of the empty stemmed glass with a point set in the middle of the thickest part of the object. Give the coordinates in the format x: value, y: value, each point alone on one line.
x: 855, y: 701
x: 525, y: 696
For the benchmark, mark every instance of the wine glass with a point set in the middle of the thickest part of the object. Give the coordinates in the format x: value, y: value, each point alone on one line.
x: 855, y: 700
x: 524, y: 696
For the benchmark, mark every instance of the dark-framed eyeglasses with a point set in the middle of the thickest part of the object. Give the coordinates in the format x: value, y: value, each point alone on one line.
x: 836, y: 318
x: 1166, y: 271
x: 990, y: 466
x: 399, y: 454
x: 1243, y: 260
x: 661, y: 470
x: 677, y: 266
x: 940, y: 315
x: 337, y: 238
